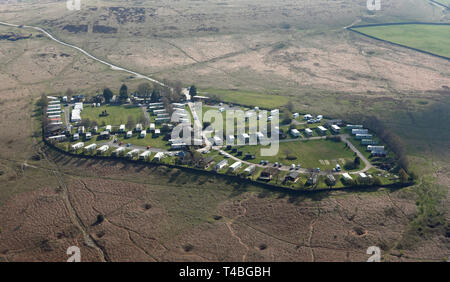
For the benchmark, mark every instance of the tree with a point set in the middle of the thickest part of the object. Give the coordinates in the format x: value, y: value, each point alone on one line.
x: 107, y: 94
x: 123, y: 93
x: 403, y: 176
x: 290, y: 106
x: 43, y: 101
x: 130, y: 122
x: 69, y: 93
x: 357, y: 162
x: 144, y: 90
x: 193, y: 91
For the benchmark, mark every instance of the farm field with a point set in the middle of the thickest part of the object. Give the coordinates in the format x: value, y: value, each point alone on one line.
x: 117, y: 115
x: 431, y: 38
x: 247, y: 98
x: 323, y: 154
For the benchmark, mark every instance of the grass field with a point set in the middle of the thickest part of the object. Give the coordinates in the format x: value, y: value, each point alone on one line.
x: 147, y: 141
x: 431, y: 38
x: 117, y: 114
x: 308, y: 153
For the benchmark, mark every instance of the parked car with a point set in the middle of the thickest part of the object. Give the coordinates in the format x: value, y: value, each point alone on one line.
x: 128, y: 145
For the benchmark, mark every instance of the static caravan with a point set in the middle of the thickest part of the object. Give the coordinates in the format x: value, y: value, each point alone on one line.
x: 108, y: 128
x: 235, y: 166
x: 122, y: 128
x: 307, y: 117
x: 295, y: 115
x: 217, y: 140
x: 221, y: 164
x: 76, y: 137
x: 129, y: 134
x: 157, y: 132
x: 58, y: 137
x: 143, y: 134
x: 158, y: 156
x: 321, y: 130
x: 119, y: 151
x: 162, y: 120
x: 88, y: 136
x: 145, y: 155
x: 369, y: 142
x: 359, y: 131
x: 81, y: 129
x: 90, y: 147
x: 95, y: 129
x: 295, y: 132
x: 77, y: 146
x: 102, y: 149
x: 138, y: 127
x: 372, y: 147
x: 335, y: 128
x: 354, y: 126
x: 243, y: 138
x: 346, y: 177
x: 132, y: 153
x: 178, y: 145
x: 308, y: 132
x: 54, y: 116
x: 249, y: 170
x: 363, y: 136
x: 152, y: 127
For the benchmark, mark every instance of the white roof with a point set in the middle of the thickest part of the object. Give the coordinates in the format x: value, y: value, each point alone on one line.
x: 145, y: 154
x: 334, y: 126
x: 236, y: 164
x: 321, y: 128
x: 362, y: 174
x: 295, y: 131
x: 346, y: 176
x: 103, y: 148
x: 159, y: 155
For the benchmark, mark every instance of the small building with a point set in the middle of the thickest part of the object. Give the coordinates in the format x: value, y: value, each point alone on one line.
x: 250, y: 169
x: 321, y: 130
x: 308, y: 132
x: 76, y: 137
x: 295, y: 133
x: 157, y: 132
x: 143, y: 134
x: 88, y: 136
x: 122, y: 128
x: 221, y: 164
x: 292, y: 176
x: 335, y: 128
x: 145, y: 155
x: 295, y: 115
x: 95, y: 129
x: 108, y: 128
x: 102, y: 149
x: 268, y: 173
x: 90, y: 148
x: 152, y: 127
x: 235, y: 166
x: 129, y: 134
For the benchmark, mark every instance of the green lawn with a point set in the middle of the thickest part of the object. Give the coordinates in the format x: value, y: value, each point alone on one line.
x: 147, y: 141
x: 117, y: 114
x: 247, y: 98
x: 431, y: 38
x: 308, y: 153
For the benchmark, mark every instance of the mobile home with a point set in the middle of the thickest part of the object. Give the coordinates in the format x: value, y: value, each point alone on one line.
x: 132, y: 153
x: 145, y: 155
x: 119, y: 151
x: 235, y: 166
x: 122, y: 128
x: 129, y: 134
x: 221, y: 164
x: 335, y: 128
x: 90, y: 147
x: 143, y: 134
x: 308, y: 132
x: 295, y: 133
x: 102, y: 149
x: 321, y: 130
x: 249, y: 170
x: 158, y: 156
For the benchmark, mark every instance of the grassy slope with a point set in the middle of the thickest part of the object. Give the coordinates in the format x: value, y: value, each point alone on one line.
x: 117, y: 115
x: 430, y: 38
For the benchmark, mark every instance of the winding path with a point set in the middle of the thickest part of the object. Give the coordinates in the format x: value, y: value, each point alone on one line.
x: 112, y: 66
